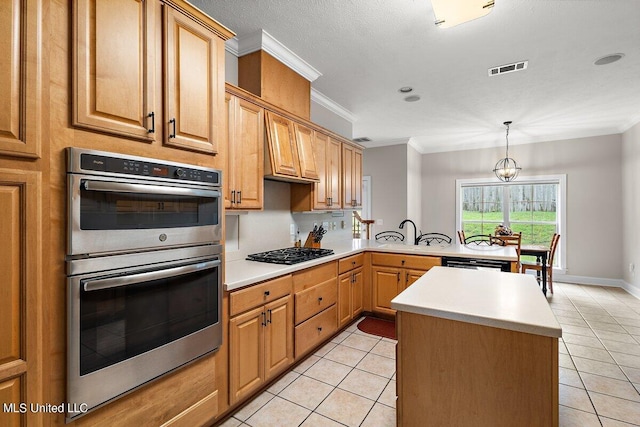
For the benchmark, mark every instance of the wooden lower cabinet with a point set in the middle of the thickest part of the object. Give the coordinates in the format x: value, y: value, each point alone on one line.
x: 350, y: 295
x: 392, y: 274
x: 316, y: 297
x: 315, y: 330
x: 260, y: 346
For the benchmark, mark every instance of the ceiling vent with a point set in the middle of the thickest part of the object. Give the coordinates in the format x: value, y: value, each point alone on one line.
x: 508, y: 68
x: 362, y: 139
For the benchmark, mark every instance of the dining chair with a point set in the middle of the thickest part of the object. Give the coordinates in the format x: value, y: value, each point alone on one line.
x: 461, y: 236
x: 429, y: 239
x: 549, y: 265
x: 483, y: 240
x: 389, y: 236
x: 514, y: 239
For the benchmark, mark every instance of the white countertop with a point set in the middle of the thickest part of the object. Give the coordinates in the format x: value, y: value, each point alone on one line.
x: 241, y: 273
x: 502, y: 300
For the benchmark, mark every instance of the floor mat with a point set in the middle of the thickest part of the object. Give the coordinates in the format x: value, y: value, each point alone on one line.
x: 379, y: 327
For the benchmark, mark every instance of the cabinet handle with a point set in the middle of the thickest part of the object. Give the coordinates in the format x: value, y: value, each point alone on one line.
x: 398, y: 277
x: 239, y: 197
x: 152, y: 116
x: 402, y: 262
x: 266, y: 293
x: 319, y: 299
x: 319, y: 328
x: 270, y: 317
x: 407, y: 279
x: 172, y: 122
x: 233, y: 196
x: 264, y: 319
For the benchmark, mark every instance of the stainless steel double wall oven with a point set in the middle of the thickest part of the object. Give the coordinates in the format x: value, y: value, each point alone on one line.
x: 144, y: 275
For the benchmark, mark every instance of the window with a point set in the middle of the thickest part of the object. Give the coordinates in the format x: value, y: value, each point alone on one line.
x: 532, y: 206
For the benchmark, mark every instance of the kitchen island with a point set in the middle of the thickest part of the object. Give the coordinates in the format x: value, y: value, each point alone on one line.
x: 476, y: 348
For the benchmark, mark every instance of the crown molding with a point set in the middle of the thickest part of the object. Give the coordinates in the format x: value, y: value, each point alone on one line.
x: 231, y: 46
x: 261, y: 40
x: 320, y: 99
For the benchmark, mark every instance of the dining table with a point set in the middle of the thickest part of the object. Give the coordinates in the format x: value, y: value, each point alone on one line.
x: 541, y: 252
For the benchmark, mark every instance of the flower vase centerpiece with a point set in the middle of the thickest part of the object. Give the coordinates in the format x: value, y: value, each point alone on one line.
x: 503, y: 230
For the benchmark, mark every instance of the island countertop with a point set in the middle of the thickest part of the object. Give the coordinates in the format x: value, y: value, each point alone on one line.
x: 509, y: 301
x: 240, y: 273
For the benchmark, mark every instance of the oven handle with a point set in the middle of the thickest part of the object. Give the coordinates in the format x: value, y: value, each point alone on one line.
x: 114, y: 282
x: 119, y: 187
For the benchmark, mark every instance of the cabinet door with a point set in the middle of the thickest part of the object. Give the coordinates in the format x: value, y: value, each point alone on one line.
x: 248, y: 155
x: 229, y: 180
x: 357, y: 292
x: 333, y: 173
x: 246, y: 353
x: 113, y: 65
x: 321, y: 195
x: 278, y: 336
x: 411, y: 276
x: 20, y: 347
x: 351, y: 176
x: 386, y: 281
x: 347, y: 176
x: 344, y: 298
x: 281, y: 145
x: 306, y: 157
x: 356, y: 180
x: 194, y: 85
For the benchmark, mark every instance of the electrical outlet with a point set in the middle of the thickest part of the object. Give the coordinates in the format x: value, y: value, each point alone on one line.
x: 292, y: 229
x: 632, y: 268
x: 325, y: 225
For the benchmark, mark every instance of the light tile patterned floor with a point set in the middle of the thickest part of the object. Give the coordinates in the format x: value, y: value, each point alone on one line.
x: 351, y: 381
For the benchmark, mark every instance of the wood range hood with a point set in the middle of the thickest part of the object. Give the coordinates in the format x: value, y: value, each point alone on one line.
x: 289, y: 154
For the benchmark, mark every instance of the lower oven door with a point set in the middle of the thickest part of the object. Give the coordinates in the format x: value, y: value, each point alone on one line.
x: 129, y: 326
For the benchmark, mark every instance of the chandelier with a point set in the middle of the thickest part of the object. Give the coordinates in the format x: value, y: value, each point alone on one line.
x: 507, y: 169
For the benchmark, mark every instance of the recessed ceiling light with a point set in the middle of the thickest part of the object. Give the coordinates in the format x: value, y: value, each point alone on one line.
x: 609, y: 59
x: 405, y: 89
x: 412, y: 98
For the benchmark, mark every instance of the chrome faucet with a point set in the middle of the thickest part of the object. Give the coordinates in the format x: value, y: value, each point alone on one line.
x: 415, y: 230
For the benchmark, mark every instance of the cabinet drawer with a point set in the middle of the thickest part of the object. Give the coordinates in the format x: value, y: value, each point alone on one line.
x: 312, y: 276
x: 315, y: 330
x: 313, y: 300
x: 424, y: 262
x: 253, y: 296
x: 349, y: 263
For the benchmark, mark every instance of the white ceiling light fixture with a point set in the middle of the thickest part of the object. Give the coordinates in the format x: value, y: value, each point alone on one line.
x: 507, y: 169
x: 449, y: 13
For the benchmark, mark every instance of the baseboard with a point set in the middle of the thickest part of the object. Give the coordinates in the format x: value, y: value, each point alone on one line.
x: 586, y: 280
x: 597, y: 281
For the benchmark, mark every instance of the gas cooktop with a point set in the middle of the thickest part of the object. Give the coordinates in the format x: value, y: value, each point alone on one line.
x: 289, y: 255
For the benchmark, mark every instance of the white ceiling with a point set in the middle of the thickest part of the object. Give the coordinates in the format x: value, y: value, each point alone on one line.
x: 367, y: 49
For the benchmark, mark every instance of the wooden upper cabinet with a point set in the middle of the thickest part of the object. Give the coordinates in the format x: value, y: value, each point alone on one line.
x: 245, y: 156
x: 327, y: 191
x: 351, y: 176
x: 290, y: 148
x: 283, y: 158
x: 194, y: 84
x: 306, y: 157
x: 21, y: 78
x: 113, y: 62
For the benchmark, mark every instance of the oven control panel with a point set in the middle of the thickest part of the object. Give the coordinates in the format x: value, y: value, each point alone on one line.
x: 128, y: 165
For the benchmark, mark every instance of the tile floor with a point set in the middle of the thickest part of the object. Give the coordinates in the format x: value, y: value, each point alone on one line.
x: 351, y: 380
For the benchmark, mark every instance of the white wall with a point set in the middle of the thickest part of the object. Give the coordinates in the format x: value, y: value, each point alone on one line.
x: 631, y: 208
x: 414, y: 188
x: 387, y: 167
x: 594, y: 196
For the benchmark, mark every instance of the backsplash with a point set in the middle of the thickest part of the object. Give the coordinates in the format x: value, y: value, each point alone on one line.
x: 251, y: 232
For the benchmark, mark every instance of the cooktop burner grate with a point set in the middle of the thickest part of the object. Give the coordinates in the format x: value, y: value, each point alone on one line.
x: 289, y: 255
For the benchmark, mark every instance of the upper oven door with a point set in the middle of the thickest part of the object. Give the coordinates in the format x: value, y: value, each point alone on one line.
x: 109, y: 214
